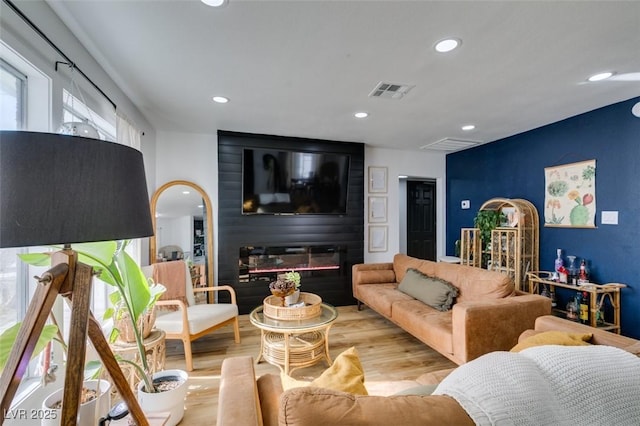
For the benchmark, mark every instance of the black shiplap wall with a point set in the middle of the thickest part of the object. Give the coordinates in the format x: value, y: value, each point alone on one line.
x: 237, y: 230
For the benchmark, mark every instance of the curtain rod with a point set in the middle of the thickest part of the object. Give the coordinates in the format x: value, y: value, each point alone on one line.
x: 57, y: 49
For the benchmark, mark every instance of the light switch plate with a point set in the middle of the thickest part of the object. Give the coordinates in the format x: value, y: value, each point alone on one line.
x: 464, y: 204
x: 609, y: 218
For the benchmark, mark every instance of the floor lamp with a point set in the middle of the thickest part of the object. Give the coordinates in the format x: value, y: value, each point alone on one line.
x: 57, y: 189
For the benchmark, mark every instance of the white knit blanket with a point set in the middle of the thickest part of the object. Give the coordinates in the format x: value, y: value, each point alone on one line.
x: 549, y: 385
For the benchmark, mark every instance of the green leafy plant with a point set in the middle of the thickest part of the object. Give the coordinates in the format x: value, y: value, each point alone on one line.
x: 486, y: 221
x: 8, y: 338
x: 294, y: 277
x: 118, y: 269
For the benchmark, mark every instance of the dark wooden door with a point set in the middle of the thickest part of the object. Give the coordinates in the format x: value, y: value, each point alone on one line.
x: 421, y: 219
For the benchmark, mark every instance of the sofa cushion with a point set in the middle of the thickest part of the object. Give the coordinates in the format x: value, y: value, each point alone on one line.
x: 475, y: 284
x: 554, y: 338
x: 418, y: 390
x: 345, y: 374
x: 381, y: 297
x: 402, y: 262
x: 432, y: 291
x: 427, y: 324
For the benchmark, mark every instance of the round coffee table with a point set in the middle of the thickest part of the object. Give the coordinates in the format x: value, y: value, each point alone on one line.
x: 292, y: 344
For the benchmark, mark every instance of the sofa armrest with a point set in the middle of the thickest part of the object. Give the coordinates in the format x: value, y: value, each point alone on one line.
x: 238, y: 400
x: 493, y: 325
x: 371, y: 273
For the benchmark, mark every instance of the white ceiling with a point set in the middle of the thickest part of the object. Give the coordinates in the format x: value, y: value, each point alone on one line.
x: 303, y: 68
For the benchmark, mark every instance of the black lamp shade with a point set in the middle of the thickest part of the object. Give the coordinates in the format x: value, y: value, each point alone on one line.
x: 57, y: 189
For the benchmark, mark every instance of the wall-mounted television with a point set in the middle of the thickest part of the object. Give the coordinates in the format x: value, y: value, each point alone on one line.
x: 276, y: 181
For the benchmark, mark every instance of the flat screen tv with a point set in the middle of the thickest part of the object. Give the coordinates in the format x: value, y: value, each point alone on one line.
x: 276, y: 181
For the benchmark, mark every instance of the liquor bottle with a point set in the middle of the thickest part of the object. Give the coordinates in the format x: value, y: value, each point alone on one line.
x: 582, y: 275
x: 558, y: 263
x: 584, y: 308
x: 578, y: 302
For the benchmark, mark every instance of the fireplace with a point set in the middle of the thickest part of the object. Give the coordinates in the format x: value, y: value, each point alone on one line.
x: 261, y: 265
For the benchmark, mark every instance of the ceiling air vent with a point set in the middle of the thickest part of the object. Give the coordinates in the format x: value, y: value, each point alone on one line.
x: 390, y: 90
x: 450, y: 144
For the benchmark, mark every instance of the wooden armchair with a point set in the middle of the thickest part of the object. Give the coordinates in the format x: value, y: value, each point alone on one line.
x: 191, y: 321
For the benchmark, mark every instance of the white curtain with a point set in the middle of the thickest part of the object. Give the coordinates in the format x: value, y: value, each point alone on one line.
x: 126, y: 132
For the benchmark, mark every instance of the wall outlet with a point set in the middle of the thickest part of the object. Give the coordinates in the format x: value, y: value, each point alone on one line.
x: 464, y: 204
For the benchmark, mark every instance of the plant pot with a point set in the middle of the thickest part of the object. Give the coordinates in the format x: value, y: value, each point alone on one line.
x: 125, y: 328
x: 88, y: 414
x: 292, y: 298
x: 168, y: 401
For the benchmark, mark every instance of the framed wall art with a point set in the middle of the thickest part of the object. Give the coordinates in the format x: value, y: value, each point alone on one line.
x: 377, y: 209
x: 377, y: 238
x: 570, y: 195
x: 377, y: 179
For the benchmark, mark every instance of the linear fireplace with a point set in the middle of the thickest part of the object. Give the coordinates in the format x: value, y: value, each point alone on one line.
x: 263, y: 264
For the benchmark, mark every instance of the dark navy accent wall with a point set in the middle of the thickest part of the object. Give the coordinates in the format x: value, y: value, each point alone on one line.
x: 514, y: 168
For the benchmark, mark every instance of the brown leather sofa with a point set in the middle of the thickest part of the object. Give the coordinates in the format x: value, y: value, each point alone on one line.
x: 488, y: 314
x: 245, y: 401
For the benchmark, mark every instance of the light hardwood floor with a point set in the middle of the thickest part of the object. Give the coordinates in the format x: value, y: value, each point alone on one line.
x: 386, y: 353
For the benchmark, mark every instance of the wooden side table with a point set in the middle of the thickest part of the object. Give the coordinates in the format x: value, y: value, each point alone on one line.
x: 154, y: 347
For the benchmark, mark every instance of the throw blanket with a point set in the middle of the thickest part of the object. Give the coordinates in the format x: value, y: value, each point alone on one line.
x: 173, y: 275
x: 549, y: 385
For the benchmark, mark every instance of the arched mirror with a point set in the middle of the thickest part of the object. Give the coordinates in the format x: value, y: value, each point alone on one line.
x: 182, y: 224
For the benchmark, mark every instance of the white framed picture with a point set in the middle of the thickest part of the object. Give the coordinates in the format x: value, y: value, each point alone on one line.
x: 377, y: 209
x: 378, y: 238
x: 377, y: 179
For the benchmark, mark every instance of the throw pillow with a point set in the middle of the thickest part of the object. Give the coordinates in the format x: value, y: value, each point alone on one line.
x: 345, y: 375
x: 554, y: 338
x: 432, y: 291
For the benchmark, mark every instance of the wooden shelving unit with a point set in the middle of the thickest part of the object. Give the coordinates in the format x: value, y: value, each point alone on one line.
x: 514, y: 249
x: 598, y: 294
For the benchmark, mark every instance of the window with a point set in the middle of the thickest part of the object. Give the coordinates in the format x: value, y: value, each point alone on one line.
x: 13, y: 89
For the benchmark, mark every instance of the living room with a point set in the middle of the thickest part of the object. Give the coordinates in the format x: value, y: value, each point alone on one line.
x: 600, y: 126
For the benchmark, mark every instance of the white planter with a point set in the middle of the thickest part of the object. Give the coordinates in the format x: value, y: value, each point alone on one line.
x: 170, y: 401
x: 88, y: 414
x: 292, y: 298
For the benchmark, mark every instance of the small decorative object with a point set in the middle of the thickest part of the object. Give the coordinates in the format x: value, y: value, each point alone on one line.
x: 292, y: 299
x: 572, y: 310
x: 573, y: 272
x: 282, y: 288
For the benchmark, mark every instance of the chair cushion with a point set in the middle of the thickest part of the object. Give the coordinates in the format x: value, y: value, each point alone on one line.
x: 200, y: 317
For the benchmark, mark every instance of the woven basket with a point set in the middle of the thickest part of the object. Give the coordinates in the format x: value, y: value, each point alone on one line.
x: 273, y: 307
x: 125, y: 327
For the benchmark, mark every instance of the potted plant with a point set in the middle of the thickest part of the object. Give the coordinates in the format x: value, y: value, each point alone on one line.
x: 135, y: 296
x: 486, y: 221
x: 293, y: 277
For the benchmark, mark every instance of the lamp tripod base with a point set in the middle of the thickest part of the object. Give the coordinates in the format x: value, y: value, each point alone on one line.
x: 72, y: 280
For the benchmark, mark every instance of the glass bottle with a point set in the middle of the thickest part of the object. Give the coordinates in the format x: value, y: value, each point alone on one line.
x: 584, y: 308
x: 573, y: 272
x: 582, y: 275
x: 558, y: 263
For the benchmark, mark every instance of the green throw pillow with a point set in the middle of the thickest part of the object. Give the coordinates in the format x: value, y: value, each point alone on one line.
x: 432, y: 291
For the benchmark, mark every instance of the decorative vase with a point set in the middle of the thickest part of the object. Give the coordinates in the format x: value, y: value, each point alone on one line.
x: 89, y: 413
x: 292, y: 299
x: 171, y: 401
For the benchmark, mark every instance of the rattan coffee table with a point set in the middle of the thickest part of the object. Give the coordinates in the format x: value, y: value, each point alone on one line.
x: 292, y: 344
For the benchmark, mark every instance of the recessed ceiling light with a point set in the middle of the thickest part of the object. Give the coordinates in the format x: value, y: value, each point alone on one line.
x: 214, y: 3
x: 447, y: 45
x: 361, y: 114
x: 468, y: 127
x: 220, y: 99
x: 600, y: 76
x: 186, y: 192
